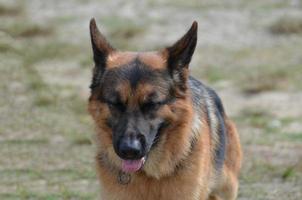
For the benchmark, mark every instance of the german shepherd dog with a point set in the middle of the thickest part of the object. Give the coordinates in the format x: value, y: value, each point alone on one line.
x: 160, y: 133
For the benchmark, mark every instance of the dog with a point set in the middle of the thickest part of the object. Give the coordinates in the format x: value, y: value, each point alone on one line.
x: 160, y: 133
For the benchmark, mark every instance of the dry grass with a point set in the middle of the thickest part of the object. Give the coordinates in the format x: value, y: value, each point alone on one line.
x: 26, y: 29
x: 264, y: 80
x: 123, y: 35
x: 287, y: 25
x: 10, y: 10
x: 45, y: 130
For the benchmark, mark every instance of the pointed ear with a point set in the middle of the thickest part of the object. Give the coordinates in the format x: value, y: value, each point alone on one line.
x: 101, y: 48
x: 180, y: 54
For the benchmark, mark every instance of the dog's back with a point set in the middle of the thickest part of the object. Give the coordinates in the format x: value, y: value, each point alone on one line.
x: 225, y: 143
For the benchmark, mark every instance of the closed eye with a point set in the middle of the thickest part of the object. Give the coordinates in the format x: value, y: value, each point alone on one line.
x: 148, y: 106
x: 116, y: 105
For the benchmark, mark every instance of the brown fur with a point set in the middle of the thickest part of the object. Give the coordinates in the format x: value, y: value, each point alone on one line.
x: 156, y: 60
x: 175, y: 170
x: 117, y: 59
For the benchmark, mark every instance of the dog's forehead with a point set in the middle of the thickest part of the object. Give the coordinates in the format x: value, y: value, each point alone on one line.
x: 117, y: 59
x: 134, y: 73
x: 136, y: 77
x: 154, y: 60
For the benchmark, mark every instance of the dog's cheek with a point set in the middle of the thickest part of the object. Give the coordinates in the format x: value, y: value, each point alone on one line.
x: 167, y: 113
x: 99, y: 112
x: 100, y: 115
x: 94, y: 110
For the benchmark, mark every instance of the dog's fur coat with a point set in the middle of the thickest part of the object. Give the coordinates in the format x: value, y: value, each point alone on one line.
x: 195, y: 152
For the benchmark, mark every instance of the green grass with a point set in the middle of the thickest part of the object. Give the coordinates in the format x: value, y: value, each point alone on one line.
x: 25, y: 29
x: 123, y: 35
x: 23, y: 194
x: 47, y: 124
x: 267, y: 129
x: 253, y: 70
x: 216, y: 4
x: 256, y: 118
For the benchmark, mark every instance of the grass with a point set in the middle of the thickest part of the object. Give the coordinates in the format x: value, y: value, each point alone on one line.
x: 252, y: 69
x: 23, y: 194
x: 37, y: 135
x: 25, y: 29
x: 216, y: 4
x: 21, y: 26
x: 287, y: 25
x: 45, y: 130
x: 11, y: 10
x: 264, y: 80
x: 288, y: 173
x: 256, y: 118
x: 123, y: 35
x: 267, y: 129
x: 4, y: 47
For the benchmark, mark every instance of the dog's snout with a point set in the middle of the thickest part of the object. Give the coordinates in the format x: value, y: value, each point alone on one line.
x: 131, y: 148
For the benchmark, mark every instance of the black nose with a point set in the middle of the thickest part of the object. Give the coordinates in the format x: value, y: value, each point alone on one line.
x: 131, y: 148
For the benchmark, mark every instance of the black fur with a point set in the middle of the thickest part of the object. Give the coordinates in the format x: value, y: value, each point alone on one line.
x: 101, y: 49
x: 180, y: 55
x: 221, y: 130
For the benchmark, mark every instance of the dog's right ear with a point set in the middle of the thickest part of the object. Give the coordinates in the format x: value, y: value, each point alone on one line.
x: 179, y: 56
x: 101, y: 48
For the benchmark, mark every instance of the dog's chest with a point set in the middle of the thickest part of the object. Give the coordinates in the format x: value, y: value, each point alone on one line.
x: 149, y: 189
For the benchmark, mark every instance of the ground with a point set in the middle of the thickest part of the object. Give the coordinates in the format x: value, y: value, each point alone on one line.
x: 249, y: 51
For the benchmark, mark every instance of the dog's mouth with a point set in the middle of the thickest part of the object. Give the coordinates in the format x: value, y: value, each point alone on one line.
x: 130, y: 166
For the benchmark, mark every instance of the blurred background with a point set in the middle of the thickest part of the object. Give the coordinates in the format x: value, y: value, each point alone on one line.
x: 249, y: 51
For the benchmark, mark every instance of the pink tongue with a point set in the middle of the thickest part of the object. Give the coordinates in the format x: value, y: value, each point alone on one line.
x: 132, y: 165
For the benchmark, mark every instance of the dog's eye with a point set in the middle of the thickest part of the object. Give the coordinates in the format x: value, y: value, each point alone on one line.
x: 116, y: 105
x: 151, y: 106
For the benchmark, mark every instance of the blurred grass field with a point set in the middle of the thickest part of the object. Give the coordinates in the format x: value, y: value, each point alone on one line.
x: 249, y: 51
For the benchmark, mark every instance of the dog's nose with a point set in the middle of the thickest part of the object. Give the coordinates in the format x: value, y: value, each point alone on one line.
x: 131, y: 148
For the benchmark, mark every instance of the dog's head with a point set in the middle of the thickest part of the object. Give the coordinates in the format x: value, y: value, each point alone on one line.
x: 136, y: 97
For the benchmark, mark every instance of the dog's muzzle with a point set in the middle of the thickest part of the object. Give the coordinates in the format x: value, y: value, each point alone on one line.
x: 132, y: 150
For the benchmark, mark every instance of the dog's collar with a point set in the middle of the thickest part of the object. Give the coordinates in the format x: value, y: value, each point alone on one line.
x: 122, y: 178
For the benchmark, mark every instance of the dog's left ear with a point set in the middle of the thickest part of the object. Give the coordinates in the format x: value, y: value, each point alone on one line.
x: 101, y: 50
x: 100, y: 46
x: 180, y: 54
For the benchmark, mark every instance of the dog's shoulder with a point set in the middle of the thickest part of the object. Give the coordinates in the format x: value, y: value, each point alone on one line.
x: 208, y: 106
x: 203, y: 94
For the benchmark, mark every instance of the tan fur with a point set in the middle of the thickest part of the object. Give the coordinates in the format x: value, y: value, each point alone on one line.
x: 234, y: 154
x: 156, y: 60
x: 117, y: 59
x: 227, y: 183
x: 167, y: 155
x: 124, y: 90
